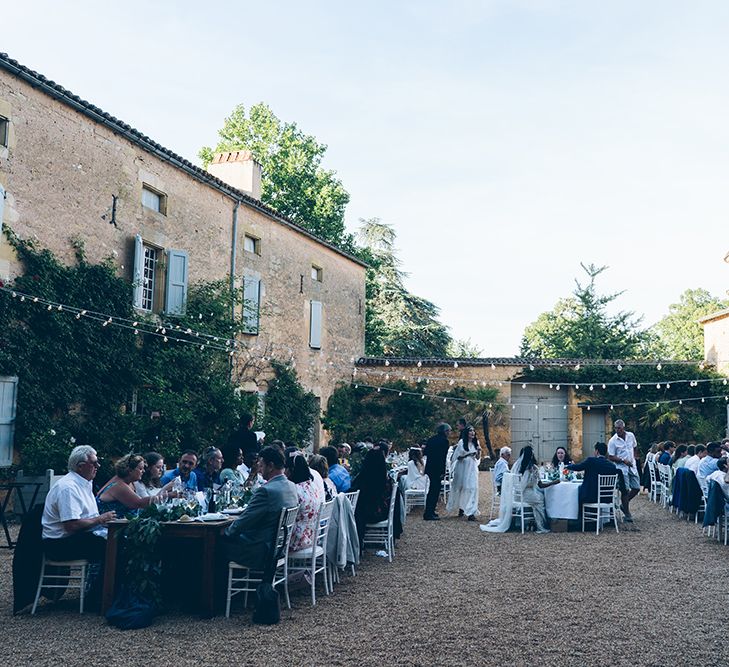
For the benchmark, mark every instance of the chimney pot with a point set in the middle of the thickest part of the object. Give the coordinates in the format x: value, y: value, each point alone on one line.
x: 239, y: 170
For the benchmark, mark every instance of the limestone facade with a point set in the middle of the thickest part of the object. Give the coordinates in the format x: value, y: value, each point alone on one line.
x: 64, y: 160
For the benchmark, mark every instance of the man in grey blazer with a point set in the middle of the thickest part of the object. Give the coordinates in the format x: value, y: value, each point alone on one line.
x: 249, y: 539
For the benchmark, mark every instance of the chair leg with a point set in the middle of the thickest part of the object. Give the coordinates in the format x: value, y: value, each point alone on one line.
x: 230, y: 593
x: 40, y: 587
x: 83, y: 590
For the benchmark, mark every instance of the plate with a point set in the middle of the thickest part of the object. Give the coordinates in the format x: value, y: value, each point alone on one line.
x: 215, y: 516
x: 233, y: 510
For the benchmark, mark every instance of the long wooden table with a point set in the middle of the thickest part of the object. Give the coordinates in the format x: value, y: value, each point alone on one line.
x: 208, y: 532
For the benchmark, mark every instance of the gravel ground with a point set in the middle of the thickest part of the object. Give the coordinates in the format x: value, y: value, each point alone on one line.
x: 650, y: 595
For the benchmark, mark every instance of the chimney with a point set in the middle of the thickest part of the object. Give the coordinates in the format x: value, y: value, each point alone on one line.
x: 239, y: 170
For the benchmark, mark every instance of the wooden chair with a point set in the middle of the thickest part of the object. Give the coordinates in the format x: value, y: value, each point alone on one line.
x: 71, y: 574
x: 604, y: 508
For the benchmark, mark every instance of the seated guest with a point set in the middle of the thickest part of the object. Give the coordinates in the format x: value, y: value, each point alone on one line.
x: 250, y: 538
x: 310, y: 497
x: 692, y: 463
x: 721, y: 476
x: 375, y: 489
x: 561, y: 456
x: 709, y: 463
x: 319, y: 464
x: 249, y: 468
x: 71, y: 518
x: 118, y: 495
x: 501, y: 466
x: 416, y: 478
x: 668, y: 449
x: 185, y: 470
x: 151, y: 482
x: 531, y: 487
x: 338, y: 474
x: 343, y: 451
x: 232, y: 459
x: 680, y: 456
x: 594, y: 466
x: 384, y: 446
x: 208, y: 472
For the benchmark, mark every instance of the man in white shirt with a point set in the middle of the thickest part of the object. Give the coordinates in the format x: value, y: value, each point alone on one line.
x: 622, y: 451
x: 70, y: 516
x: 501, y: 466
x: 692, y: 462
x: 709, y: 462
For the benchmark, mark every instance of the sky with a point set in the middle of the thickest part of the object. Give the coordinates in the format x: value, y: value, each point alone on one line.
x: 506, y: 141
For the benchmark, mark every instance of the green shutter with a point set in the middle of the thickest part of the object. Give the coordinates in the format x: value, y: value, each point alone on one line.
x: 176, y: 287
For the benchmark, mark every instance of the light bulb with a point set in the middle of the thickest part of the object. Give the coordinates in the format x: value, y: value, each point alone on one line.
x: 638, y: 386
x: 625, y: 385
x: 455, y: 364
x: 523, y: 386
x: 658, y: 367
x: 658, y: 386
x: 620, y: 368
x: 591, y: 388
x: 557, y: 387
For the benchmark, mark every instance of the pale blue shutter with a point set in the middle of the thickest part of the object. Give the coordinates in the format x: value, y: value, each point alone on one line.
x: 2, y: 203
x: 8, y: 393
x: 315, y: 325
x: 176, y: 288
x: 251, y: 304
x: 138, y: 275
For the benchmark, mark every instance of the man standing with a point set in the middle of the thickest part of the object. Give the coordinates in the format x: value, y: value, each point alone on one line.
x: 435, y: 449
x: 250, y: 538
x: 622, y: 452
x: 184, y: 470
x: 502, y: 466
x: 593, y: 466
x: 245, y: 437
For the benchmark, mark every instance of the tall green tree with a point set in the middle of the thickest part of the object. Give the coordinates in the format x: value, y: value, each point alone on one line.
x: 580, y: 326
x: 678, y: 335
x: 293, y: 180
x: 397, y: 322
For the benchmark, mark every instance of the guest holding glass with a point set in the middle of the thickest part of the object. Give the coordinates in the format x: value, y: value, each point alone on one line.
x: 151, y: 482
x: 561, y: 457
x: 208, y: 472
x: 531, y: 487
x: 464, y: 483
x: 185, y: 471
x: 118, y: 495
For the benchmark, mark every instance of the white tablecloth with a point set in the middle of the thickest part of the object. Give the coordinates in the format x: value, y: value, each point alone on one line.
x: 562, y: 500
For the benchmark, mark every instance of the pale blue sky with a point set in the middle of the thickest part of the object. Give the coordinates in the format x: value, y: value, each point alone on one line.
x: 505, y: 141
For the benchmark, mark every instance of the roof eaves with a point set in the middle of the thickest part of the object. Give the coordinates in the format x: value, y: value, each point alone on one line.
x: 60, y: 93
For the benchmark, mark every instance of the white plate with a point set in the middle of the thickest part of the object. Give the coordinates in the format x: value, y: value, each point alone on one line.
x: 215, y: 516
x: 233, y: 510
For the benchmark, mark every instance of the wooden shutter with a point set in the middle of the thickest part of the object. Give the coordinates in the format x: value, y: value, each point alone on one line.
x: 176, y: 284
x: 8, y: 393
x: 315, y: 325
x: 138, y: 275
x: 251, y: 304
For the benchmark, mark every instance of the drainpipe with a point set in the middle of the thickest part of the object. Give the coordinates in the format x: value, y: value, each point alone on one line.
x: 233, y: 257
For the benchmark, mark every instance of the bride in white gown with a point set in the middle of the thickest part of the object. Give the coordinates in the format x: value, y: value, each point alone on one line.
x: 464, y: 480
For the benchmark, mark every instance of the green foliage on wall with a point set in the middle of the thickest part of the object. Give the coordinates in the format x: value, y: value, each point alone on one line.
x: 78, y: 381
x: 355, y: 413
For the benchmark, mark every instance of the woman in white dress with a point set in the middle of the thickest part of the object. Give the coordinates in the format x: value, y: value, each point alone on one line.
x: 416, y: 478
x: 464, y: 481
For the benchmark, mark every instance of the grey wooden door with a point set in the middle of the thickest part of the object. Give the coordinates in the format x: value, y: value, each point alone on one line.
x: 539, y: 419
x: 593, y: 430
x: 8, y: 394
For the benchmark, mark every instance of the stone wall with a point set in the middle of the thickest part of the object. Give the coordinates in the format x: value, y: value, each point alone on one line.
x: 60, y: 171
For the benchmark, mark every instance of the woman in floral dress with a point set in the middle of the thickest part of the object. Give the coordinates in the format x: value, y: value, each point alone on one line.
x: 311, y: 499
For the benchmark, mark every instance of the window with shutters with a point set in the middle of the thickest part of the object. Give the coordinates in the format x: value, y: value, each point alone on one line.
x: 315, y: 316
x: 154, y: 199
x: 251, y: 311
x: 160, y: 278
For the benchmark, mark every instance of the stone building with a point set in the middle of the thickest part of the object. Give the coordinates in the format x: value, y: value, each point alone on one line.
x: 543, y: 415
x: 69, y: 170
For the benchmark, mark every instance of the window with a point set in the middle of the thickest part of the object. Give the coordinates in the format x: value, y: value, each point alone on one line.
x: 154, y: 199
x: 252, y: 244
x: 151, y: 274
x: 315, y: 325
x: 316, y: 273
x: 251, y: 304
x: 4, y: 125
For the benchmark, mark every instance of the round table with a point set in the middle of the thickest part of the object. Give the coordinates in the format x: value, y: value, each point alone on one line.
x: 562, y: 500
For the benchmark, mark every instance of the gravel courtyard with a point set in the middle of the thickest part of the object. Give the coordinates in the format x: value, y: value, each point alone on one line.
x: 655, y: 594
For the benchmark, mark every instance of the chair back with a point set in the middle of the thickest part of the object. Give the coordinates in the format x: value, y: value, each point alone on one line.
x: 494, y: 487
x: 285, y: 530
x: 353, y: 497
x: 606, y: 488
x: 391, y: 511
x: 323, y: 523
x: 665, y: 473
x: 517, y: 487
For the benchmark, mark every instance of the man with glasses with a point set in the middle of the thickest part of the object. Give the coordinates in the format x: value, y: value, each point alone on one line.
x: 73, y: 529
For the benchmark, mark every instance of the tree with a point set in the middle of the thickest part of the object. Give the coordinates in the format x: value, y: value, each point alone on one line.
x: 678, y: 335
x: 397, y: 322
x: 464, y: 349
x: 293, y: 181
x: 579, y: 327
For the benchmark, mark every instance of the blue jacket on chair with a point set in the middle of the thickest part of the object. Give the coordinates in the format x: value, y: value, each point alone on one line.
x: 593, y: 466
